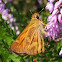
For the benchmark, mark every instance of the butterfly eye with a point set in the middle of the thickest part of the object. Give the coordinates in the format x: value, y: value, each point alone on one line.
x: 37, y: 17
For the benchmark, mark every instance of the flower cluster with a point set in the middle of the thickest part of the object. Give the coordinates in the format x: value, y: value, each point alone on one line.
x: 8, y: 17
x: 54, y: 27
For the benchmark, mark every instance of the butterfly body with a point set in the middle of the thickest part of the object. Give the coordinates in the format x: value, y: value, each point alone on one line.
x: 30, y: 41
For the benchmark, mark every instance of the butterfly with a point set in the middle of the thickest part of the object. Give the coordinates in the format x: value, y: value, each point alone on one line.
x: 30, y: 41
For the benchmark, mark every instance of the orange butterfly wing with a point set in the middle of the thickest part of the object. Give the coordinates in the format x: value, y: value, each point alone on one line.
x: 17, y: 45
x: 30, y: 41
x: 33, y: 42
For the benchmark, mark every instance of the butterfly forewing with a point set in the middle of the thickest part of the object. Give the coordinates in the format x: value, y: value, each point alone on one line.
x: 17, y: 45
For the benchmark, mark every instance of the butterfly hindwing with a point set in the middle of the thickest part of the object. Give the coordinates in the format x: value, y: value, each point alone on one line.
x: 33, y: 42
x: 30, y: 42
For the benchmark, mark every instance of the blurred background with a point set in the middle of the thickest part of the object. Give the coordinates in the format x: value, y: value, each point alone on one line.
x: 14, y: 17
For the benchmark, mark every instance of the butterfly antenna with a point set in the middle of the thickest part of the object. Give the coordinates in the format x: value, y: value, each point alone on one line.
x: 41, y: 10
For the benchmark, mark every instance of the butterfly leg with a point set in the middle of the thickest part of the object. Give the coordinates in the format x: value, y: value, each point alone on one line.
x: 43, y: 23
x: 44, y: 32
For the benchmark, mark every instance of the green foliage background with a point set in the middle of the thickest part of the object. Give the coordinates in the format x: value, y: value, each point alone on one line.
x: 23, y: 15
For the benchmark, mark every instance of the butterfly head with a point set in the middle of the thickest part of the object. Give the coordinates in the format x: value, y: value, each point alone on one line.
x: 37, y: 16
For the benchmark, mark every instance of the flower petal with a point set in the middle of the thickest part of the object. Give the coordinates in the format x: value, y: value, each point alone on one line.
x: 49, y: 6
x: 59, y: 18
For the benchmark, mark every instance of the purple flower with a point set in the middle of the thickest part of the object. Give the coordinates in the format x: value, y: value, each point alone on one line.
x: 10, y: 25
x: 0, y: 1
x: 2, y: 6
x: 40, y: 2
x: 54, y: 18
x: 11, y: 20
x: 49, y: 6
x: 18, y: 32
x: 10, y: 16
x: 55, y: 12
x: 16, y: 28
x: 61, y: 11
x: 51, y: 18
x: 51, y: 1
x: 12, y: 28
x: 60, y: 1
x: 57, y: 4
x: 5, y: 14
x: 8, y: 22
x: 60, y: 25
x: 60, y: 53
x: 53, y: 15
x: 60, y: 18
x: 54, y: 28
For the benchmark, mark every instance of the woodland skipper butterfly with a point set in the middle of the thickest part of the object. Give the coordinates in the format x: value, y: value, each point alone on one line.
x: 30, y: 41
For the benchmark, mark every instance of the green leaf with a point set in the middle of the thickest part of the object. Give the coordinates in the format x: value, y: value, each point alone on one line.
x: 59, y: 45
